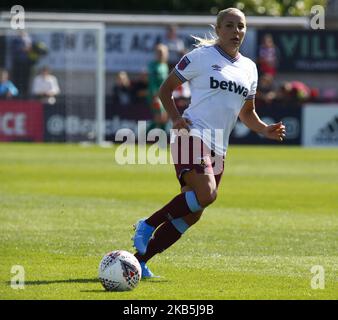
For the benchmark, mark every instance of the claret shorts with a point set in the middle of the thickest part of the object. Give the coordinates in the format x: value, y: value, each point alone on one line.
x: 189, y: 152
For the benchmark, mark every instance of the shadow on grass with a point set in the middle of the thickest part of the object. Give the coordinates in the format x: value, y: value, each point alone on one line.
x: 44, y: 282
x: 93, y: 280
x: 101, y: 291
x: 155, y: 280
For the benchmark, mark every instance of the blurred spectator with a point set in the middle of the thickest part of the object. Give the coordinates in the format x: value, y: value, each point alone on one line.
x: 122, y: 90
x: 25, y: 54
x: 39, y: 49
x: 7, y: 88
x: 294, y: 93
x: 176, y: 46
x: 267, y: 56
x: 45, y: 86
x: 157, y: 73
x: 21, y: 62
x: 266, y: 91
x: 140, y: 88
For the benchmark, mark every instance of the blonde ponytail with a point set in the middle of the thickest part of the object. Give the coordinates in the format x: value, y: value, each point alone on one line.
x: 200, y: 42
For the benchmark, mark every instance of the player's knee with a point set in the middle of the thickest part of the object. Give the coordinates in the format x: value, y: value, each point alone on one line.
x: 207, y: 198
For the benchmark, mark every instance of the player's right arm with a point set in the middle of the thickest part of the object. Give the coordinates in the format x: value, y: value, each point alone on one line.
x: 165, y: 93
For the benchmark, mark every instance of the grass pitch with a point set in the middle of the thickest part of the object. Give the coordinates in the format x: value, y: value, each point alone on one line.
x: 62, y: 207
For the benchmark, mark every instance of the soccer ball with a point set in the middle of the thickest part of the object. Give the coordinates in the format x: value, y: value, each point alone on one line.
x: 119, y: 271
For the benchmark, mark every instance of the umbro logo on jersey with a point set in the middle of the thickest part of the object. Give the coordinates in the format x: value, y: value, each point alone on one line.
x: 231, y: 86
x: 216, y: 67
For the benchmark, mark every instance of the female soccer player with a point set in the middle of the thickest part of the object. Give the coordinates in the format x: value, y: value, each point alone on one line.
x: 223, y: 85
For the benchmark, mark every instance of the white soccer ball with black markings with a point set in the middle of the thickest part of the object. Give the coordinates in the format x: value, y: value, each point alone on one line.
x: 119, y: 271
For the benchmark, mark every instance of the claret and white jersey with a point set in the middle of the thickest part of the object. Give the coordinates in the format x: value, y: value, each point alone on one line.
x: 219, y: 86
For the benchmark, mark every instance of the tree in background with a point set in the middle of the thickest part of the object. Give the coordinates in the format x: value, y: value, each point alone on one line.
x: 278, y: 7
x: 250, y: 7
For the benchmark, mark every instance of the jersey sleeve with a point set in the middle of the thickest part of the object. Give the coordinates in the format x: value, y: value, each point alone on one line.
x: 254, y: 80
x: 189, y: 66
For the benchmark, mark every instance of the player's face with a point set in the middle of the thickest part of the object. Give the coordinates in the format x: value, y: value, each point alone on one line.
x: 231, y: 31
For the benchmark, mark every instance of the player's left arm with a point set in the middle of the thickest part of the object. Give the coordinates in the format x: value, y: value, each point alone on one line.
x: 250, y: 118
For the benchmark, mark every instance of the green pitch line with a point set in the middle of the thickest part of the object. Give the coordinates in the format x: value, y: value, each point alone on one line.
x: 64, y: 206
